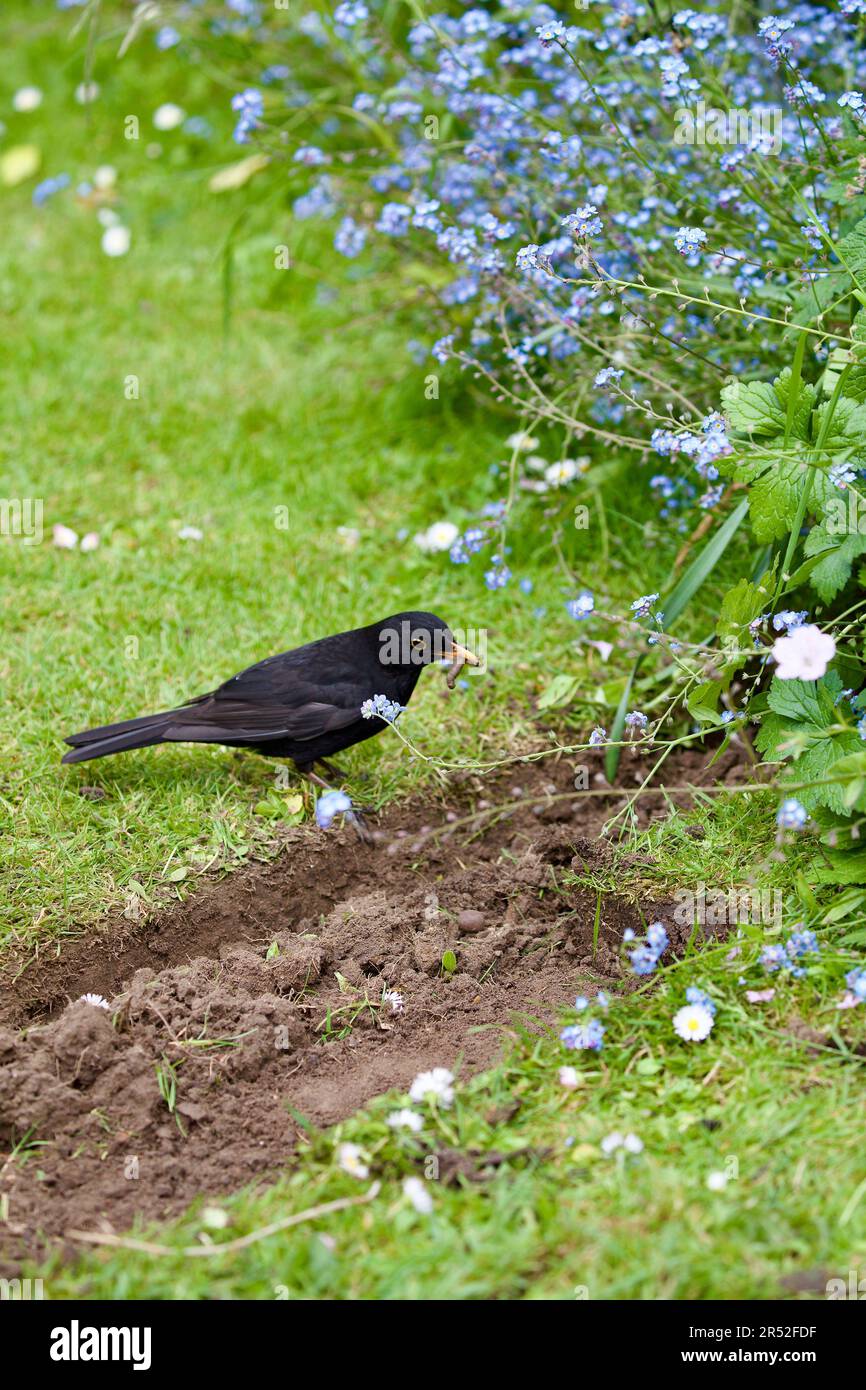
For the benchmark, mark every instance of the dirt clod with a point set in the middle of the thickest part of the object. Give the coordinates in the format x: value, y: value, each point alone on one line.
x: 269, y: 994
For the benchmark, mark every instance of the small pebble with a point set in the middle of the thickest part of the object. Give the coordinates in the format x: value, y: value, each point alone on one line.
x: 469, y: 920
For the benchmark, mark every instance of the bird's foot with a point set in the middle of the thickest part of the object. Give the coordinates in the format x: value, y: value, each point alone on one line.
x: 358, y: 822
x: 335, y: 773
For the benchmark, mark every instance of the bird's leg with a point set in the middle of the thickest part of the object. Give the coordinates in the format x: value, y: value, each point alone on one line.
x: 332, y: 769
x: 354, y: 818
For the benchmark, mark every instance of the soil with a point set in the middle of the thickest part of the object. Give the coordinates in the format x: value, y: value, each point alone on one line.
x: 261, y: 999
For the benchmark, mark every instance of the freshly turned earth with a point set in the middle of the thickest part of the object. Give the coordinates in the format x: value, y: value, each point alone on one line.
x: 383, y: 916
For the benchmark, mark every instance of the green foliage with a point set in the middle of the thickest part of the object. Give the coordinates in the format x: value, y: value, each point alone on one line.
x: 805, y: 729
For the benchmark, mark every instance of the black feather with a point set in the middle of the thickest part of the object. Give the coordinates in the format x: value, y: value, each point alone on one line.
x: 304, y: 704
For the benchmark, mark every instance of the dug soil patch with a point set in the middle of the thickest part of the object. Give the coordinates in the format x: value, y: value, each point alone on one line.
x: 271, y: 994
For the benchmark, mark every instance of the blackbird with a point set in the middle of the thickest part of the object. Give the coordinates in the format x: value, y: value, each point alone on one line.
x: 304, y: 704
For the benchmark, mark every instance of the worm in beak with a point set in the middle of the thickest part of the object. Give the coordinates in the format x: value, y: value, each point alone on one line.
x: 460, y: 657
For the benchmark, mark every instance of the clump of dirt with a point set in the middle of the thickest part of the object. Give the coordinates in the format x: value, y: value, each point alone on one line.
x: 305, y: 986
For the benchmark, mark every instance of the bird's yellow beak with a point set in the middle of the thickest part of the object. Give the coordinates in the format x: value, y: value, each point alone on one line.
x: 463, y: 655
x: 460, y: 657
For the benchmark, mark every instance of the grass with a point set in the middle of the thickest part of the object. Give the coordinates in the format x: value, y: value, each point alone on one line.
x: 558, y: 1218
x: 295, y: 391
x: 303, y: 416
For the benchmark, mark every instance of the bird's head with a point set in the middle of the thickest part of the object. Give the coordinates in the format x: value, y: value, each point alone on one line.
x: 413, y: 640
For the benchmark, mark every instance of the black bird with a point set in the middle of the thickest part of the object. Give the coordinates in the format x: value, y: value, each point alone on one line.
x: 304, y: 704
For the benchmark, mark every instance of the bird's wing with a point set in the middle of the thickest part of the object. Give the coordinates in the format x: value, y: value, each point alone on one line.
x: 213, y: 720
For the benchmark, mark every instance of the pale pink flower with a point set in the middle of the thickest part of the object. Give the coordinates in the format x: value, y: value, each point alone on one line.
x: 804, y: 654
x: 64, y: 537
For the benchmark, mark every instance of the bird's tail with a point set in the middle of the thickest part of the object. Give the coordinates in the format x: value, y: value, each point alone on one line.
x: 117, y: 738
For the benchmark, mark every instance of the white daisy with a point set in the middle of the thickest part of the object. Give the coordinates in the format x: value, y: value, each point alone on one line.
x: 558, y: 474
x: 395, y: 999
x: 440, y: 536
x: 168, y: 116
x: 350, y: 1160
x: 569, y: 1077
x: 116, y: 240
x: 418, y: 1195
x: 406, y: 1119
x: 693, y: 1023
x: 522, y: 441
x: 437, y: 1084
x: 96, y: 1000
x: 27, y: 99
x: 64, y: 537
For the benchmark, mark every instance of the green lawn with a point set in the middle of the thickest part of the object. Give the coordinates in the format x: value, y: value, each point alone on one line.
x: 261, y: 389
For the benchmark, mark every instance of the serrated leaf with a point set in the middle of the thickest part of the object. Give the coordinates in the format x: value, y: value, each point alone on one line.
x: 845, y: 438
x: 820, y: 764
x: 774, y: 496
x: 851, y: 250
x: 752, y: 407
x: 797, y: 700
x: 838, y: 555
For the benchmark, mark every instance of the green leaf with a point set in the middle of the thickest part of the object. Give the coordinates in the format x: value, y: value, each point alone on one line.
x: 798, y: 700
x: 612, y: 756
x: 740, y: 606
x: 703, y: 564
x: 648, y: 1066
x: 855, y: 384
x: 851, y: 250
x: 837, y: 558
x: 845, y: 905
x: 772, y: 737
x: 752, y: 407
x: 449, y: 962
x: 560, y: 691
x: 777, y: 484
x: 820, y: 762
x: 703, y: 703
x: 843, y: 868
x: 844, y: 438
